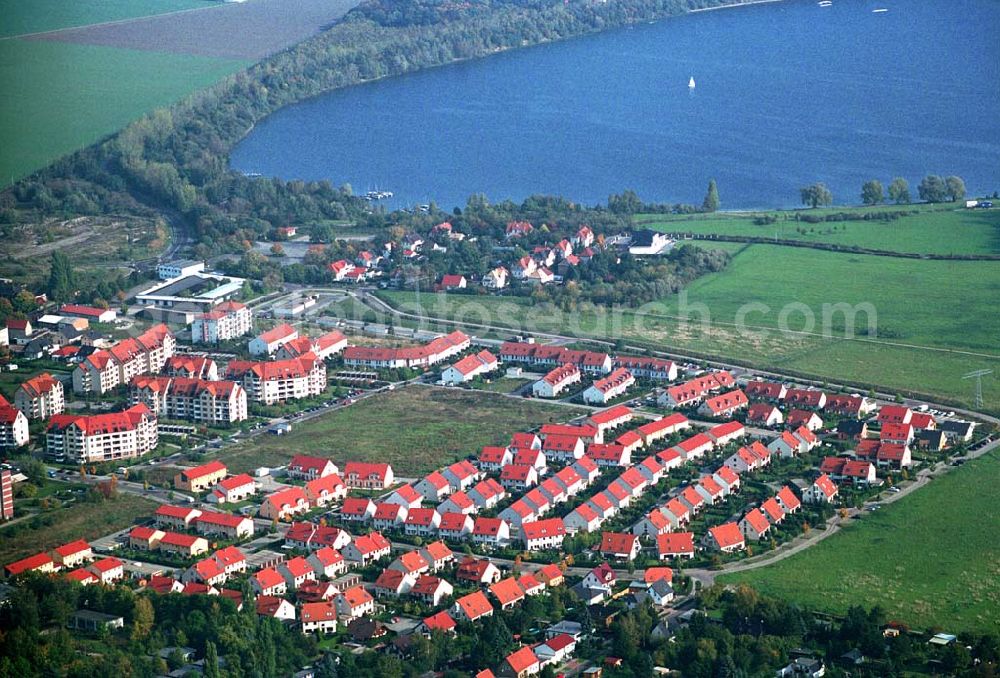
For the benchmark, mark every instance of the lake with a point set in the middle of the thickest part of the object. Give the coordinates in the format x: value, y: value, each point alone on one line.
x: 786, y: 94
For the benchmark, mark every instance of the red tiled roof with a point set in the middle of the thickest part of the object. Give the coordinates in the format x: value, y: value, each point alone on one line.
x: 540, y: 529
x: 210, y: 468
x: 726, y: 535
x: 507, y: 591
x: 522, y: 659
x: 757, y: 521
x: 617, y: 542
x: 72, y: 548
x: 611, y: 414
x: 29, y: 563
x: 772, y: 509
x: 96, y: 424
x: 675, y: 542
x: 475, y: 605
x: 441, y: 621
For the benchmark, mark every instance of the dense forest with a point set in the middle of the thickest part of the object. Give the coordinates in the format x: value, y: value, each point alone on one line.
x: 175, y: 161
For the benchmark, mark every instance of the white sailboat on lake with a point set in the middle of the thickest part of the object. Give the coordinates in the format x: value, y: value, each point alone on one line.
x: 691, y: 83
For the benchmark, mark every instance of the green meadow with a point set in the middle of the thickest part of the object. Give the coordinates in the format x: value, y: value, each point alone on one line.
x: 415, y: 429
x: 37, y: 16
x: 60, y: 97
x: 933, y: 229
x: 930, y: 560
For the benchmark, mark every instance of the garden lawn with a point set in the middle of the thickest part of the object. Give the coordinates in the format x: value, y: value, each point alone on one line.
x: 416, y: 429
x: 60, y: 97
x: 78, y: 520
x: 930, y: 559
x: 934, y: 229
x: 20, y: 18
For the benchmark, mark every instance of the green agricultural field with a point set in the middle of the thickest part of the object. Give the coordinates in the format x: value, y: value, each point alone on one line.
x: 60, y: 97
x: 80, y: 520
x: 931, y: 303
x: 416, y: 429
x: 931, y: 559
x: 37, y: 16
x: 936, y: 319
x: 933, y: 230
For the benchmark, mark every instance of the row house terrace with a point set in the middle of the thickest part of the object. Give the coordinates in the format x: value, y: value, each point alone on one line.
x: 437, y: 350
x: 692, y: 392
x: 544, y: 355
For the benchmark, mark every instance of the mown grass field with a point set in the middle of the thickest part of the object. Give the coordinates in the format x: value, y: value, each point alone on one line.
x: 60, y: 97
x: 416, y: 429
x: 933, y: 230
x: 79, y: 520
x: 936, y: 319
x: 20, y: 18
x: 931, y: 559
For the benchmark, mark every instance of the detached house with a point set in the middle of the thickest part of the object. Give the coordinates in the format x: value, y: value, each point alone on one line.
x: 754, y: 525
x: 327, y: 562
x: 477, y: 571
x: 470, y: 367
x: 619, y: 546
x: 726, y: 538
x: 822, y: 491
x: 507, y: 592
x: 472, y: 607
x: 354, y: 603
x: 432, y: 590
x: 319, y: 618
x: 806, y: 418
x: 389, y: 516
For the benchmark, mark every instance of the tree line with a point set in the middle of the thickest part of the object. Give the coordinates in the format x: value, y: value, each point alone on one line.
x: 932, y: 188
